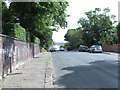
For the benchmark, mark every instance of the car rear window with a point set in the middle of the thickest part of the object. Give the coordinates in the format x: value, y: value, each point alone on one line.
x: 85, y: 47
x: 97, y: 46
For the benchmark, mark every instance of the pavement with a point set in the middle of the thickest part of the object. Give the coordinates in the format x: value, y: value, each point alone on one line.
x: 111, y: 53
x: 105, y: 52
x: 35, y: 73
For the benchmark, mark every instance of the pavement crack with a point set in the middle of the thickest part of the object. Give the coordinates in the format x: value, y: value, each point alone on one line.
x: 46, y: 70
x: 45, y: 76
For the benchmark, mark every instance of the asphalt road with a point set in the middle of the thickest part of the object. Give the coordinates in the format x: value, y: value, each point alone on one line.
x: 85, y: 70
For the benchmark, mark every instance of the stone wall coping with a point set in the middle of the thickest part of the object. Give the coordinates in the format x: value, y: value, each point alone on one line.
x: 2, y: 35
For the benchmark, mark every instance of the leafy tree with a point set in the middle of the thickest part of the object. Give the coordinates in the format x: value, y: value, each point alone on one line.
x: 74, y: 36
x: 118, y: 32
x: 20, y: 32
x: 37, y: 40
x: 7, y: 21
x: 48, y: 39
x: 67, y: 46
x: 38, y: 17
x: 98, y: 27
x: 9, y: 26
x: 61, y: 46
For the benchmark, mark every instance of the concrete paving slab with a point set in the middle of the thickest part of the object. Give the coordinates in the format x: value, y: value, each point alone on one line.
x: 35, y: 73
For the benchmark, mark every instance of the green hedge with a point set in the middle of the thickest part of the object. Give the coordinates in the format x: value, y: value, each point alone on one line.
x: 16, y: 31
x: 37, y: 40
x: 20, y: 32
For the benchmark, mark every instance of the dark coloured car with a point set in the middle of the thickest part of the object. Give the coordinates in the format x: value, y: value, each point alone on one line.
x: 53, y: 49
x: 83, y: 48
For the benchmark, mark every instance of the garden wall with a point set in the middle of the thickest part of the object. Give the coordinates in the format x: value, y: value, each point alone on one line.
x: 0, y: 57
x: 111, y: 48
x: 15, y: 52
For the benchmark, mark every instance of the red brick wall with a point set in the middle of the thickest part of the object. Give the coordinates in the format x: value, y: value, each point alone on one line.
x: 15, y: 52
x: 113, y: 48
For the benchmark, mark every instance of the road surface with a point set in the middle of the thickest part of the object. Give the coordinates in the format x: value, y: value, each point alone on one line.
x: 85, y: 70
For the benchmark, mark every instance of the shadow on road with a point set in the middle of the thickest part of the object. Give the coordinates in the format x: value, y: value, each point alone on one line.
x: 98, y: 74
x: 36, y: 57
x: 14, y: 74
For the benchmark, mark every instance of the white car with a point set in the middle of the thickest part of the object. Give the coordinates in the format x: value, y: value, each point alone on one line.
x: 62, y: 49
x: 95, y: 48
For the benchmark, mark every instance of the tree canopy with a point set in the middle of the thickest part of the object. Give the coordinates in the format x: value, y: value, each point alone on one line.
x: 97, y: 28
x: 37, y: 18
x: 118, y: 32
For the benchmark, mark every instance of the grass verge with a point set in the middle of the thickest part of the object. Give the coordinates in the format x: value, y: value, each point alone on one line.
x: 1, y: 82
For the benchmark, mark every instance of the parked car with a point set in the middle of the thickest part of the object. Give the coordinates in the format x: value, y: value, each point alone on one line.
x: 52, y: 49
x: 96, y: 48
x: 83, y: 48
x: 62, y: 49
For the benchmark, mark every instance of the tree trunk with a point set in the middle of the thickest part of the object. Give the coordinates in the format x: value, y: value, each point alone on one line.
x: 27, y: 36
x: 32, y: 38
x: 118, y: 33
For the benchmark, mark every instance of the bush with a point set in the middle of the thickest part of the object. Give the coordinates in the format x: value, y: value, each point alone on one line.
x: 20, y: 32
x: 37, y: 40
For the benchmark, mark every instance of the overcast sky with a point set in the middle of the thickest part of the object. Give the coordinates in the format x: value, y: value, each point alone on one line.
x: 76, y: 10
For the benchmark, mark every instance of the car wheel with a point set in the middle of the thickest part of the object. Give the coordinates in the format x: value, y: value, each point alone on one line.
x: 92, y: 51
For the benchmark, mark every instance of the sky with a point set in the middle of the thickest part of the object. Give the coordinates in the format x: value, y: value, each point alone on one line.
x: 76, y: 10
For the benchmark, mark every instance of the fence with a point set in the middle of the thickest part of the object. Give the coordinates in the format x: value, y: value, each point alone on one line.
x: 14, y: 53
x: 111, y: 48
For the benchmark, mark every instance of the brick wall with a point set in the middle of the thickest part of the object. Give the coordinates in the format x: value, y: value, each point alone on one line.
x: 16, y: 52
x: 112, y: 48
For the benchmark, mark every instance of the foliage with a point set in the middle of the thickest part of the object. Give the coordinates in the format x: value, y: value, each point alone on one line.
x: 61, y: 46
x: 74, y: 37
x: 7, y: 21
x: 37, y: 17
x: 97, y: 28
x: 48, y: 39
x: 20, y: 32
x: 10, y: 28
x: 67, y: 46
x: 118, y: 32
x: 37, y: 40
